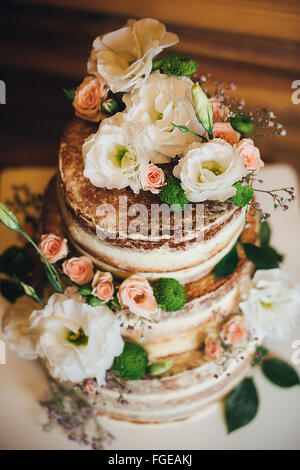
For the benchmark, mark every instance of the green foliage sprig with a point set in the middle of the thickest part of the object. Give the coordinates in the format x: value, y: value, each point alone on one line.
x: 8, y: 219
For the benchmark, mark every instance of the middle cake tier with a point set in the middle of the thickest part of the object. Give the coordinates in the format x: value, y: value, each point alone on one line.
x: 127, y: 233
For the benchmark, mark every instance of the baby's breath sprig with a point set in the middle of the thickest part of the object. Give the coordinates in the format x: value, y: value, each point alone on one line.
x: 281, y: 197
x: 132, y: 322
x: 74, y: 415
x: 266, y: 124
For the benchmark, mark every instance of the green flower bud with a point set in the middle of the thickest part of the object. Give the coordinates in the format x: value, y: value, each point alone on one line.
x: 158, y: 368
x: 203, y: 108
x: 8, y: 218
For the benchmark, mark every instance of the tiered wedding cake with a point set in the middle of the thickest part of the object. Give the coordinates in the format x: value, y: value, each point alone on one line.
x: 155, y: 315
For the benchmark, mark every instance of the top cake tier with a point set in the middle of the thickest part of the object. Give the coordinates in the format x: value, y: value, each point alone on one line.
x: 123, y: 232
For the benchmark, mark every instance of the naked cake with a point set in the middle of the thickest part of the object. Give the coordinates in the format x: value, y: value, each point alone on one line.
x: 151, y: 236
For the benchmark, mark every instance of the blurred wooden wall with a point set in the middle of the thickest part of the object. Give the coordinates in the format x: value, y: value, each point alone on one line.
x: 44, y: 46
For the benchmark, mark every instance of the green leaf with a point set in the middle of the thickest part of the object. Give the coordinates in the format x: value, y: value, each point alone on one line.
x: 242, y: 123
x: 241, y: 405
x: 70, y: 94
x: 158, y: 368
x: 53, y: 280
x: 172, y: 194
x: 10, y: 290
x: 280, y: 373
x: 261, y: 258
x: 203, y: 108
x: 8, y: 218
x: 264, y: 233
x: 259, y: 354
x: 186, y: 129
x: 243, y: 194
x: 93, y: 301
x: 227, y: 264
x: 272, y: 252
x: 85, y: 290
x: 15, y: 260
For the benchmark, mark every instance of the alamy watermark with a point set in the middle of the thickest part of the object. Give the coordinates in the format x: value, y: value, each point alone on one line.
x: 2, y: 353
x: 296, y: 94
x: 157, y: 221
x: 2, y: 92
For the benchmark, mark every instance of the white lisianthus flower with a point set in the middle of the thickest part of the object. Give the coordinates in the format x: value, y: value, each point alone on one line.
x: 272, y: 304
x: 76, y: 340
x: 116, y: 154
x: 15, y: 326
x: 124, y: 57
x: 161, y: 101
x: 208, y: 171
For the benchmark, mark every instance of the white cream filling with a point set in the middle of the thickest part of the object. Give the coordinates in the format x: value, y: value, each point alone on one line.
x: 183, y: 265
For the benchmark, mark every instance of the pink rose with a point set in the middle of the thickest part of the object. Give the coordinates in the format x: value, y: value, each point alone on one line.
x: 152, y: 178
x: 136, y: 294
x: 79, y: 270
x: 220, y: 112
x: 213, y: 350
x: 223, y: 130
x: 53, y: 247
x: 88, y: 98
x: 103, y: 287
x: 234, y: 331
x: 250, y: 154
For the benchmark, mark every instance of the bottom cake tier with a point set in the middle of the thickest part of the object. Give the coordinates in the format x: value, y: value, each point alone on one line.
x: 189, y: 387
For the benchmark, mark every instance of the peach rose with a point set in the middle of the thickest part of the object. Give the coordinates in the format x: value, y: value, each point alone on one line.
x: 136, y: 294
x: 220, y: 112
x: 224, y: 131
x: 103, y: 287
x: 53, y: 247
x: 250, y: 154
x: 213, y: 350
x: 152, y: 178
x: 87, y: 101
x: 79, y: 270
x: 234, y: 331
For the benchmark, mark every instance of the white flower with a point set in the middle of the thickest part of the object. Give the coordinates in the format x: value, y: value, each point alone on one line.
x: 76, y: 340
x: 160, y: 101
x: 124, y: 57
x: 116, y: 154
x: 208, y: 171
x: 15, y: 326
x: 272, y: 304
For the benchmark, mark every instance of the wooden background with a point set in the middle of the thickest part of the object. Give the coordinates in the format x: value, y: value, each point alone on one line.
x: 44, y: 46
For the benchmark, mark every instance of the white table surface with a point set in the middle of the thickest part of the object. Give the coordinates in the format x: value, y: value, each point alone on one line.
x: 276, y: 426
